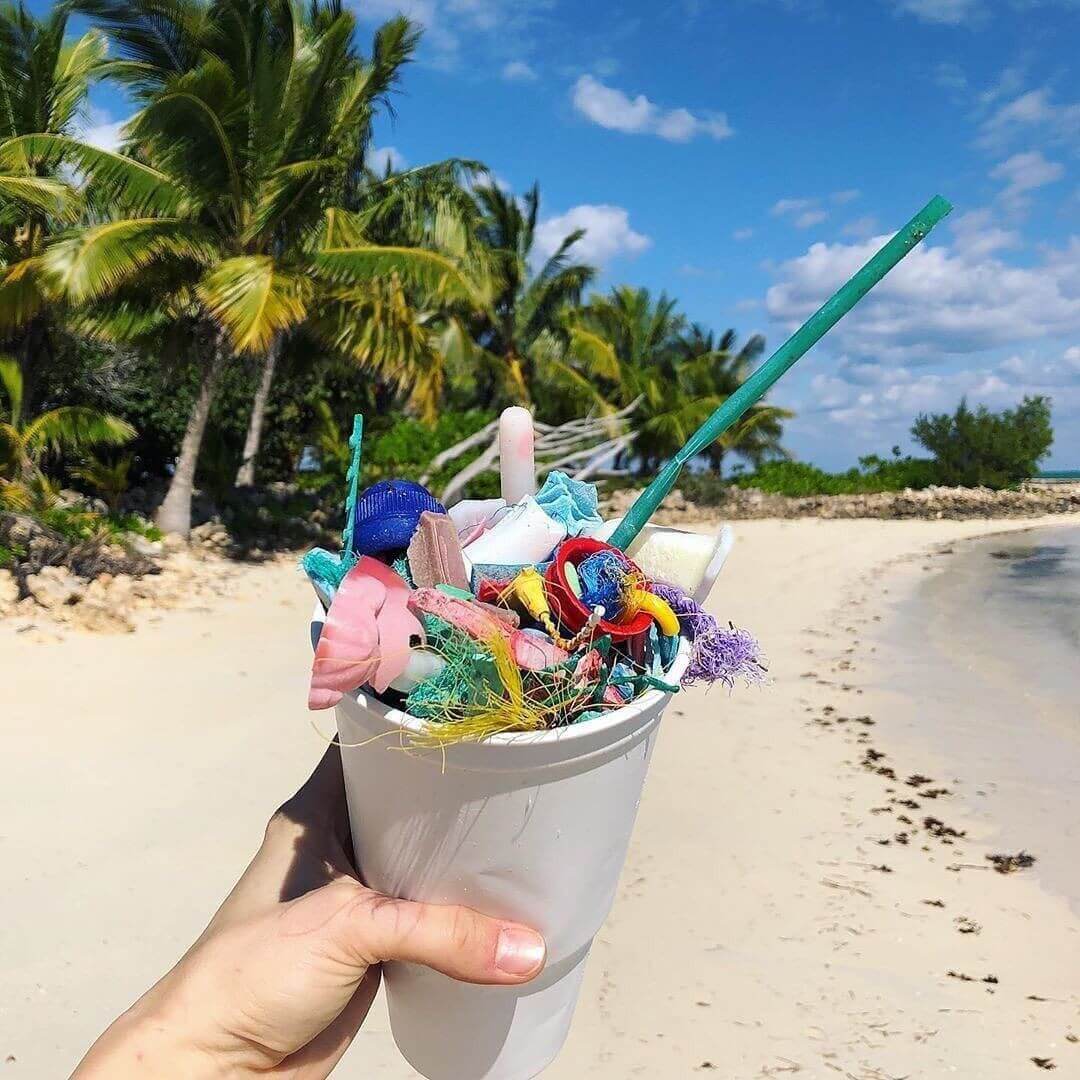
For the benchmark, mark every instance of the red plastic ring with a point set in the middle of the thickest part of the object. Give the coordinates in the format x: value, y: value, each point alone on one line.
x: 568, y: 608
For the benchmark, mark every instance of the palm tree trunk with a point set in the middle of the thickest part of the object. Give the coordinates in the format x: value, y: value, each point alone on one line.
x: 245, y: 475
x: 174, y: 514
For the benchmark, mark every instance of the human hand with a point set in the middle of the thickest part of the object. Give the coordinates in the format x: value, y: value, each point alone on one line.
x: 282, y: 978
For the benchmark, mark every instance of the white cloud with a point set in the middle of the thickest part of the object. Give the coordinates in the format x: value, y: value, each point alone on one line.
x: 449, y: 23
x: 790, y: 206
x: 938, y: 302
x: 105, y: 136
x: 977, y: 235
x: 803, y: 213
x: 1033, y: 112
x: 950, y: 76
x: 612, y: 109
x: 378, y: 157
x: 861, y: 227
x: 1025, y: 172
x: 841, y: 198
x: 947, y: 12
x: 100, y: 129
x: 810, y: 217
x: 878, y: 404
x: 742, y: 234
x: 518, y: 71
x: 1009, y: 83
x: 607, y: 233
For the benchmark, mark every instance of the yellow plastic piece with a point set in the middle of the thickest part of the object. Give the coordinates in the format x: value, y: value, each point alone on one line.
x: 651, y: 604
x: 528, y: 588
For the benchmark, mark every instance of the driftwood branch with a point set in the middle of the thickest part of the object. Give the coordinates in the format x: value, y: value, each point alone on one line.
x: 585, y: 447
x: 478, y: 438
x: 485, y: 461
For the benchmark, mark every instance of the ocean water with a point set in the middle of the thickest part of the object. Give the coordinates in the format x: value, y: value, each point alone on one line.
x: 1030, y: 587
x: 986, y: 655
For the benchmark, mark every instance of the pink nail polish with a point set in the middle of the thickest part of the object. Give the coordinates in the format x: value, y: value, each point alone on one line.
x: 519, y: 951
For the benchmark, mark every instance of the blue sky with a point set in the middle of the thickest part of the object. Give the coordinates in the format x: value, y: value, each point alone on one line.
x: 747, y: 155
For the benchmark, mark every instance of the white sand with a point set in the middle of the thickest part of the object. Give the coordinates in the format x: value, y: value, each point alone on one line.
x: 751, y: 938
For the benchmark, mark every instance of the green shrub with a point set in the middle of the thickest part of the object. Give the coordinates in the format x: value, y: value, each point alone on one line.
x: 10, y: 555
x: 981, y: 448
x: 76, y: 524
x: 406, y: 449
x: 798, y: 479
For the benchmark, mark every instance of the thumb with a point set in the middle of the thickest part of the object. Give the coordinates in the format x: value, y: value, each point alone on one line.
x: 455, y: 940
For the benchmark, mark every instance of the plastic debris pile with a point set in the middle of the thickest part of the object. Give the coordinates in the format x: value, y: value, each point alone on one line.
x: 497, y: 615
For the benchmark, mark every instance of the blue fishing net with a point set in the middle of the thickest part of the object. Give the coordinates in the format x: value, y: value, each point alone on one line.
x: 603, y: 579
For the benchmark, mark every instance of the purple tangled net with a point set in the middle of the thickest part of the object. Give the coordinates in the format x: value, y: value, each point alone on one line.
x: 719, y: 654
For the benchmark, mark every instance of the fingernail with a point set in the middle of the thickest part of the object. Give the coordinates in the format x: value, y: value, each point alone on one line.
x: 520, y: 951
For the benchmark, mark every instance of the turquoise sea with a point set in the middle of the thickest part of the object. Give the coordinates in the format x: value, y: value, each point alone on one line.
x: 986, y: 654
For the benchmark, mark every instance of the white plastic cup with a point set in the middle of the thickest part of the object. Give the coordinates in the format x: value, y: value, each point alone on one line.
x: 529, y: 827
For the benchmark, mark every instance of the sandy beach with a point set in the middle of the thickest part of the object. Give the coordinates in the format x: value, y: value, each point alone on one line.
x: 770, y: 921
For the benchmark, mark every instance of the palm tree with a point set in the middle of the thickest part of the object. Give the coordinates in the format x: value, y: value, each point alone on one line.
x: 24, y: 443
x: 392, y: 48
x: 252, y: 117
x: 680, y: 374
x: 404, y: 277
x: 716, y: 367
x: 531, y: 333
x: 44, y: 80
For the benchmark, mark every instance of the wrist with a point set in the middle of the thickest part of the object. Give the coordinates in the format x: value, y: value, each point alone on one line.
x: 157, y: 1040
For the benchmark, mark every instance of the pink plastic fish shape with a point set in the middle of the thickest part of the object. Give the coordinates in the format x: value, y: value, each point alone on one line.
x: 347, y: 653
x: 397, y: 624
x: 366, y: 636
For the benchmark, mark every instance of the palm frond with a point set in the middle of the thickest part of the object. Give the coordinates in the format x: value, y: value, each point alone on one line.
x: 595, y: 354
x: 122, y: 322
x: 283, y: 192
x: 433, y: 274
x: 22, y: 293
x: 135, y: 187
x: 12, y: 381
x: 79, y: 62
x: 342, y: 229
x: 164, y: 37
x: 183, y: 132
x: 74, y: 427
x: 95, y: 261
x: 255, y: 299
x: 43, y: 193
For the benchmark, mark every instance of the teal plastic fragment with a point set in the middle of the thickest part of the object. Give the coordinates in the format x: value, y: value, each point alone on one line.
x: 667, y: 649
x: 326, y: 570
x: 592, y: 714
x: 401, y: 568
x: 572, y: 503
x: 352, y: 480
x: 454, y: 591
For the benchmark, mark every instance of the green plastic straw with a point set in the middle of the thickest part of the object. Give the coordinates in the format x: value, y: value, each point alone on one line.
x: 352, y: 479
x: 762, y: 380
